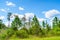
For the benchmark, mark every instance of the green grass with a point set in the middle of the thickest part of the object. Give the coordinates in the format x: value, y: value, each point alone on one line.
x: 38, y: 38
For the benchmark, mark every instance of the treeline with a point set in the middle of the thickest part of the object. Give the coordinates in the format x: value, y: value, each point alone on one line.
x: 22, y: 29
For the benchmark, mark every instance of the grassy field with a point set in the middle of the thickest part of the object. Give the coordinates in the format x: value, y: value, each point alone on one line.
x: 37, y: 38
x: 34, y: 38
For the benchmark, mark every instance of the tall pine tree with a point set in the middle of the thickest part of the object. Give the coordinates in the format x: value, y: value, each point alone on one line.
x: 16, y: 23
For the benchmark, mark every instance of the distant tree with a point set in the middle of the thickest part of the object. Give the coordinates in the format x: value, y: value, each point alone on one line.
x: 16, y: 23
x: 55, y: 22
x: 1, y: 24
x: 48, y: 27
x: 22, y: 34
x: 8, y: 17
x: 43, y: 24
x: 35, y: 29
x: 44, y: 30
x: 59, y: 23
x: 35, y: 21
x: 29, y: 22
x: 24, y: 19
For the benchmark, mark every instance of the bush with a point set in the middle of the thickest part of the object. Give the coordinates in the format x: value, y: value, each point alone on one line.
x: 34, y: 30
x: 22, y: 34
x: 42, y: 33
x: 6, y: 34
x: 3, y: 36
x: 10, y: 32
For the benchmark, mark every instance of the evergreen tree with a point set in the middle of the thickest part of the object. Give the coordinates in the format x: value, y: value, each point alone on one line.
x: 8, y: 17
x: 55, y: 22
x: 24, y: 19
x: 59, y: 23
x: 1, y: 24
x: 35, y: 21
x: 48, y: 27
x: 43, y: 24
x: 29, y: 23
x: 16, y: 23
x: 35, y: 29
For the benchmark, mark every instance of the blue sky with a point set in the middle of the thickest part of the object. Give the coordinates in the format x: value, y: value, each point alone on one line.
x: 43, y: 9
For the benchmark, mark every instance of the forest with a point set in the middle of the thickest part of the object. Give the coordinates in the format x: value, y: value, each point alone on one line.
x: 21, y: 29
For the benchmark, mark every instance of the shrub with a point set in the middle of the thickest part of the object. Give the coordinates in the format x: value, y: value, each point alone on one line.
x: 34, y: 30
x: 10, y: 32
x: 22, y: 34
x: 3, y: 36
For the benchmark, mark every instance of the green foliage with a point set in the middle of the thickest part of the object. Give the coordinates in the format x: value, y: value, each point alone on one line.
x: 55, y: 22
x: 27, y: 30
x: 3, y: 34
x: 43, y: 24
x: 38, y: 38
x: 42, y: 34
x: 56, y: 31
x: 35, y: 21
x: 6, y: 34
x: 10, y: 32
x: 56, y: 26
x: 48, y: 28
x: 35, y: 29
x: 16, y: 23
x: 23, y: 20
x: 22, y: 34
x: 2, y: 26
x: 59, y: 24
x: 8, y: 17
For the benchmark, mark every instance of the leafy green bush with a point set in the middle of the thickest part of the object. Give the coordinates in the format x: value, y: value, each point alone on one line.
x: 34, y: 30
x: 22, y: 34
x: 10, y: 32
x: 3, y: 36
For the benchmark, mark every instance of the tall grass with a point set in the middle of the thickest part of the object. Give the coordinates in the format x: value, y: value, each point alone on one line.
x: 38, y: 38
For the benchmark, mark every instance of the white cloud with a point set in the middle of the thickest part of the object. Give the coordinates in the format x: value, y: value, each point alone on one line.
x: 13, y: 16
x: 3, y: 10
x: 1, y: 17
x: 51, y: 22
x: 9, y: 3
x: 6, y: 23
x: 21, y: 16
x: 16, y: 14
x: 21, y: 8
x: 29, y: 15
x: 41, y: 19
x: 51, y: 13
